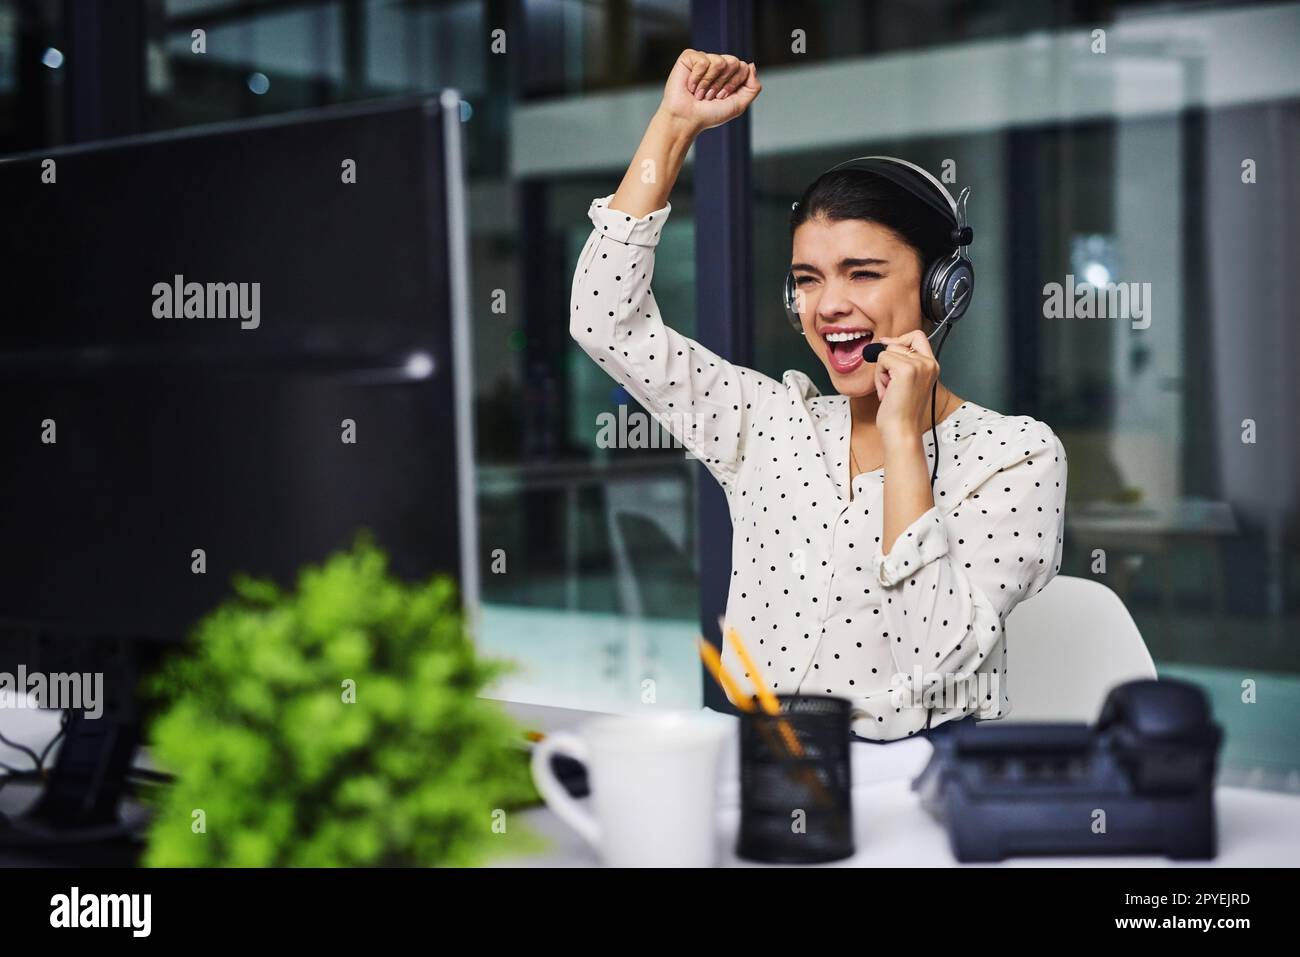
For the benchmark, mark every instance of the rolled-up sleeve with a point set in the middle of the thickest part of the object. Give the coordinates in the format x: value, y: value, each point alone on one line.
x: 952, y: 576
x: 704, y: 401
x: 921, y: 543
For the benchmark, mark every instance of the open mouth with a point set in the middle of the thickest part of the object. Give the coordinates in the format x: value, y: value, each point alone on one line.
x: 845, y: 347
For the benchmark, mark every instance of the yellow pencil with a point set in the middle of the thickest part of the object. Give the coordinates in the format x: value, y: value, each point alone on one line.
x: 765, y: 697
x: 713, y: 661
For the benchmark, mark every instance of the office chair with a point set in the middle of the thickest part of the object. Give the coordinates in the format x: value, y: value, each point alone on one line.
x: 1067, y: 647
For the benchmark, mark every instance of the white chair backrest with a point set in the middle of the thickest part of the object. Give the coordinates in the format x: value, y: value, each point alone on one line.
x: 1067, y: 647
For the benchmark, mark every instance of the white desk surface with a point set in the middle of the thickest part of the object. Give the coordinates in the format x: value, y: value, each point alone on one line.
x: 891, y: 829
x: 1256, y: 828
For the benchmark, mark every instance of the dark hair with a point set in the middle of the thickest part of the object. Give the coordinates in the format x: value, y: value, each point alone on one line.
x: 859, y: 194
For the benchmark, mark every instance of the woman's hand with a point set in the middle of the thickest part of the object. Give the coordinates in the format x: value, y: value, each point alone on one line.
x: 905, y: 374
x: 705, y: 90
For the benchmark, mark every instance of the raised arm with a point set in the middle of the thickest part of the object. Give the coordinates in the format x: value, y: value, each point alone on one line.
x: 703, y: 400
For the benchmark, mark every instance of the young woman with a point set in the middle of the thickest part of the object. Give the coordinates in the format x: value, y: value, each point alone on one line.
x: 851, y: 574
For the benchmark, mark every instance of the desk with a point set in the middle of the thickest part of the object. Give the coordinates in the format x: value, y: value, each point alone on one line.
x: 1256, y: 828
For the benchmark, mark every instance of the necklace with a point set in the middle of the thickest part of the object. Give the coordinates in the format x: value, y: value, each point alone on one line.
x: 853, y: 458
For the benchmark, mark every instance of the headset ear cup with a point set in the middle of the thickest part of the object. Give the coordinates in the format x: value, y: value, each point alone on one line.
x: 790, y: 300
x: 945, y: 281
x: 959, y: 284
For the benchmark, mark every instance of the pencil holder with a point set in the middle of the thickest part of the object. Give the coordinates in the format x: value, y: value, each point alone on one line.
x: 795, y: 782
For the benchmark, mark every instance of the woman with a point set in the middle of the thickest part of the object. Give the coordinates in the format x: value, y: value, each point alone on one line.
x: 851, y: 575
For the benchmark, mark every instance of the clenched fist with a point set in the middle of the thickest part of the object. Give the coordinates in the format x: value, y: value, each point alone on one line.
x: 705, y: 90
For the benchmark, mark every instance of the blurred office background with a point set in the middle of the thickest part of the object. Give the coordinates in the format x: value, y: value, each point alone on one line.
x: 1124, y: 165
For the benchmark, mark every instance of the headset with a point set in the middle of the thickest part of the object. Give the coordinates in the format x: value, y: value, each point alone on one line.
x: 947, y: 283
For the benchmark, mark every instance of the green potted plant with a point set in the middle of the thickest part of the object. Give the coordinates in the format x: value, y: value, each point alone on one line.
x: 339, y: 724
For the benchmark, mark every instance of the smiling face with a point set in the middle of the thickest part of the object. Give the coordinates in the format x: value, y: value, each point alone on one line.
x: 856, y: 281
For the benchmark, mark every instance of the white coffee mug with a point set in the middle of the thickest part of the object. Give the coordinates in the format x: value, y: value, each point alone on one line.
x: 653, y: 783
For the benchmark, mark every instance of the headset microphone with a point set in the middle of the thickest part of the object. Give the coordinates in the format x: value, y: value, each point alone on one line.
x: 872, y: 350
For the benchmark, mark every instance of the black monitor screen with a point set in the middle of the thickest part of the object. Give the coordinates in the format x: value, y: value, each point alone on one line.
x: 236, y: 340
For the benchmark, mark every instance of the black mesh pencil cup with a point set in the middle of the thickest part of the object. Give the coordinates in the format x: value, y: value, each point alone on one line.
x: 795, y: 783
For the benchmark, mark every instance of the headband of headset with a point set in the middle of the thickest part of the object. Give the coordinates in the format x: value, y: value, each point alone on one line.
x: 920, y: 183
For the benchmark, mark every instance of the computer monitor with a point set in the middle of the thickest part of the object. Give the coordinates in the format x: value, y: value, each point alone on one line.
x: 249, y: 339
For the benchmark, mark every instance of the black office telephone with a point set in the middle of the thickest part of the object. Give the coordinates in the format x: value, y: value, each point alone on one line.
x: 1138, y: 781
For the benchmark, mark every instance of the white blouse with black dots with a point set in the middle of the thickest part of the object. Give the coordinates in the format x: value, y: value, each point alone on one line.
x: 911, y: 637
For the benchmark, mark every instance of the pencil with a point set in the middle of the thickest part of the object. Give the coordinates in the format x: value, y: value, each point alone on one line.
x: 765, y: 697
x: 713, y: 661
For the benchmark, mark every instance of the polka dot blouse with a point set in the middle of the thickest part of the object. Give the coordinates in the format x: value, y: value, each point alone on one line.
x: 912, y: 637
